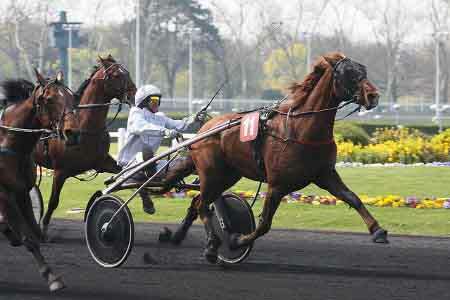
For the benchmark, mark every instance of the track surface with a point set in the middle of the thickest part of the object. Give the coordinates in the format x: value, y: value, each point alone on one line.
x: 285, y: 264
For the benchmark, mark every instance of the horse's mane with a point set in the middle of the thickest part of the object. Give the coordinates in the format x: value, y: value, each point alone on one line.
x: 300, y: 90
x: 79, y: 93
x: 16, y: 90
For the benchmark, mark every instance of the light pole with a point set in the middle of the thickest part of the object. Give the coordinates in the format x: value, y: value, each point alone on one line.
x: 138, y: 44
x: 192, y: 31
x: 70, y: 28
x: 308, y: 36
x: 69, y: 60
x: 310, y: 19
x: 396, y: 108
x: 190, y: 93
x: 64, y: 36
x: 437, y: 117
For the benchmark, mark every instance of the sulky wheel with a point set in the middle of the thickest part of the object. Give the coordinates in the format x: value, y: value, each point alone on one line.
x: 37, y: 203
x: 240, y: 220
x: 110, y: 244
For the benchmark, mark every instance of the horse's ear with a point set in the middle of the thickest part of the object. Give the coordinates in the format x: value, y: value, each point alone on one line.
x: 110, y: 57
x: 41, y: 80
x: 60, y: 77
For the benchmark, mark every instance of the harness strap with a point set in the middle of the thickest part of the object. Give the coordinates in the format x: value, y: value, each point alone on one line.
x: 303, y: 142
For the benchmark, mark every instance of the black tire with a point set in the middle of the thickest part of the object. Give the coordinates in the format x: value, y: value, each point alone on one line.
x: 241, y: 220
x: 109, y: 249
x: 37, y: 203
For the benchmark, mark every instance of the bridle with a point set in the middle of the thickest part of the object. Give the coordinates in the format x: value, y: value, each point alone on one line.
x: 39, y: 110
x: 107, y: 71
x: 56, y: 125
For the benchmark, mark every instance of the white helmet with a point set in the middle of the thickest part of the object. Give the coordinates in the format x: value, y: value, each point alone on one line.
x: 144, y: 91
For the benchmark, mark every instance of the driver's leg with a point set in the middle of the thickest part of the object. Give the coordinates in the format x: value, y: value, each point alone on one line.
x: 147, y: 203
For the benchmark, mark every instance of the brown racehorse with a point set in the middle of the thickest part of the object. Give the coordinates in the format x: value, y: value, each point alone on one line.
x: 109, y: 80
x: 297, y: 148
x: 49, y: 105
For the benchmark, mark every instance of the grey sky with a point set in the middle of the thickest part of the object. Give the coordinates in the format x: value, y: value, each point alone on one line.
x: 338, y: 12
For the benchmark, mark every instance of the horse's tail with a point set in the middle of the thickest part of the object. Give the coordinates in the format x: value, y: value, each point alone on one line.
x: 16, y: 90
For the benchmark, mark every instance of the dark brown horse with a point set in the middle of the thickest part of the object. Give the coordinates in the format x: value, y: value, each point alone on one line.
x: 49, y: 105
x: 296, y: 146
x: 109, y: 80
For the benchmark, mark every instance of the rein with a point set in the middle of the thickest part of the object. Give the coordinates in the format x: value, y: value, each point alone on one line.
x: 96, y: 105
x: 26, y: 130
x: 313, y: 112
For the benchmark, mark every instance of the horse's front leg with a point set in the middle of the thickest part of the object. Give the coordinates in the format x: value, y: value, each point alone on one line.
x: 20, y: 227
x: 271, y: 203
x: 59, y: 177
x: 180, y: 233
x: 332, y: 182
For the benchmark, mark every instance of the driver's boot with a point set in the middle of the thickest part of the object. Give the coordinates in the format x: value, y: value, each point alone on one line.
x: 147, y: 203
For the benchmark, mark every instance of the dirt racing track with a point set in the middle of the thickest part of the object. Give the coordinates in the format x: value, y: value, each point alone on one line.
x: 285, y: 264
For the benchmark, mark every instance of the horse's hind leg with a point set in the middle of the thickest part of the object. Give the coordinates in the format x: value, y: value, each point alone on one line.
x: 332, y: 182
x: 59, y: 177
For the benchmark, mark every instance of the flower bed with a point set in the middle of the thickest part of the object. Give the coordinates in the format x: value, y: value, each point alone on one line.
x: 397, y: 145
x: 379, y: 201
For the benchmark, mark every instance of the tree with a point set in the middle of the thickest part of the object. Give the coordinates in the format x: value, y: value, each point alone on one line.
x: 284, y: 66
x: 167, y: 35
x: 391, y: 25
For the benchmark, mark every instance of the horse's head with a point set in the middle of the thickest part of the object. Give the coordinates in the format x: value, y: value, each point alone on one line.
x: 351, y: 83
x: 116, y: 79
x: 54, y: 105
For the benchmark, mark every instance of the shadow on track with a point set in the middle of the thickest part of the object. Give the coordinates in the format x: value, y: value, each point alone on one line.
x: 296, y: 269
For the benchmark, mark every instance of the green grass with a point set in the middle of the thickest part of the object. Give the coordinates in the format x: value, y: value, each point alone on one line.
x: 418, y: 181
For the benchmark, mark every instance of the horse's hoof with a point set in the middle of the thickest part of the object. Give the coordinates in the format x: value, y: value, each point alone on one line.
x: 236, y: 241
x: 56, y: 285
x: 165, y: 235
x: 211, y: 255
x: 380, y: 236
x: 178, y: 237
